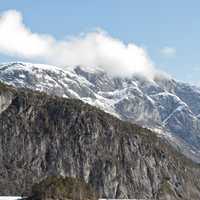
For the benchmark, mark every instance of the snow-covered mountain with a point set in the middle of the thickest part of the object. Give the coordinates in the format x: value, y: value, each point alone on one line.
x: 167, y: 106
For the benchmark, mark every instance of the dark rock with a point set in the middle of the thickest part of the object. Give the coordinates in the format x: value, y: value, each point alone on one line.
x: 43, y: 136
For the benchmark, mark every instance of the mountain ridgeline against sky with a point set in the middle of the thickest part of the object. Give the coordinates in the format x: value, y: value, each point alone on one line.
x: 169, y: 107
x: 43, y: 136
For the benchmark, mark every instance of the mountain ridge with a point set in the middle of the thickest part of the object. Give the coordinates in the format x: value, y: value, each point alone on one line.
x: 169, y: 107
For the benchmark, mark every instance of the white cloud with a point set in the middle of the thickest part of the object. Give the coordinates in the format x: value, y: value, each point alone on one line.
x: 16, y: 39
x: 168, y: 51
x: 94, y: 49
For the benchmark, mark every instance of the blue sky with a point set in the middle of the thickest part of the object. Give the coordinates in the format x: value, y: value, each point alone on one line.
x: 168, y: 30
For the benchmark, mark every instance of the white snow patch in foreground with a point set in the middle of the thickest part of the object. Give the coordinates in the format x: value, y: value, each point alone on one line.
x: 10, y: 197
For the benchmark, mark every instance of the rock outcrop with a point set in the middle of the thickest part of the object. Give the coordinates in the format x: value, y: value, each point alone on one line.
x: 43, y: 136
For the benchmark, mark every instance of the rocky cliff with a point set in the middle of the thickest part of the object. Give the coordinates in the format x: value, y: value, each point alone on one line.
x: 42, y: 136
x: 164, y: 105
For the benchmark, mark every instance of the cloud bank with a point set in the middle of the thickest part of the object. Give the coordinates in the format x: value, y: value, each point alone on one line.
x: 91, y: 50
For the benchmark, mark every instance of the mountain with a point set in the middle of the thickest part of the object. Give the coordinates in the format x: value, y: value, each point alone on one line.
x: 169, y: 107
x: 44, y: 136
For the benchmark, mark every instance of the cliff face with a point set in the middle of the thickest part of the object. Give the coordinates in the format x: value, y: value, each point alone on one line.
x: 42, y: 136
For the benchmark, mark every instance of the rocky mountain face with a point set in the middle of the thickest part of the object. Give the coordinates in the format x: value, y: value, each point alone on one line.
x: 164, y: 105
x: 43, y: 136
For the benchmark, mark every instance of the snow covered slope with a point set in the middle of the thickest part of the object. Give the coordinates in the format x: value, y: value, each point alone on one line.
x: 165, y: 105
